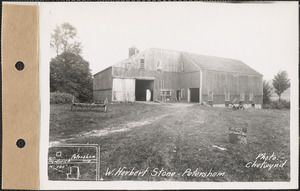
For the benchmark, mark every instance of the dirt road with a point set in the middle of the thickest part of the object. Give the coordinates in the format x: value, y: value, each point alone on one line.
x: 166, y: 115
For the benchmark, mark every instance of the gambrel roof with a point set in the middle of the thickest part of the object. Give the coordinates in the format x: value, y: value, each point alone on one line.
x: 213, y: 63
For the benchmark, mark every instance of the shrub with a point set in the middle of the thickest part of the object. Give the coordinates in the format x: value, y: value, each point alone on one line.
x: 60, y: 98
x: 283, y: 104
x: 266, y: 106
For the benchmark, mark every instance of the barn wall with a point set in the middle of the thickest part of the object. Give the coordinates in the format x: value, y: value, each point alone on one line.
x: 162, y: 79
x: 189, y: 76
x: 235, y: 84
x: 189, y: 80
x: 171, y: 70
x: 155, y: 59
x: 188, y: 66
x: 123, y: 89
x: 100, y: 95
x: 162, y: 66
x: 166, y: 80
x: 102, y: 85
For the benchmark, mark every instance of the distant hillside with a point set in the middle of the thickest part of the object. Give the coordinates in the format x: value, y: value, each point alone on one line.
x: 285, y: 95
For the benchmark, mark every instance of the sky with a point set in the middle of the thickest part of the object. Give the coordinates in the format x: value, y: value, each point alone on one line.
x: 264, y: 36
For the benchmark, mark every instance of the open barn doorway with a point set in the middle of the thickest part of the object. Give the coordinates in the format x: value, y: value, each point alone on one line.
x: 144, y: 90
x: 194, y: 95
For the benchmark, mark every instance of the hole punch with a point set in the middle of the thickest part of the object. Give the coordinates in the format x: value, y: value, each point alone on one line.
x: 20, y: 66
x: 21, y: 143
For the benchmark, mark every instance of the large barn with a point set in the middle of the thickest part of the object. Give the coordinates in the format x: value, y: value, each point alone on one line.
x: 167, y: 75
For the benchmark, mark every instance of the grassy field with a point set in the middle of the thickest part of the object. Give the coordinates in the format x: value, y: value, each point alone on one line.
x: 177, y: 137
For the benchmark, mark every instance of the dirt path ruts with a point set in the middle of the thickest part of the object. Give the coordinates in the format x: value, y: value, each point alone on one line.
x: 168, y: 116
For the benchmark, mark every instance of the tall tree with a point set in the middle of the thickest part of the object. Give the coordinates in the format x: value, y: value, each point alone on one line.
x: 267, y: 92
x: 281, y: 82
x: 64, y: 39
x: 70, y: 73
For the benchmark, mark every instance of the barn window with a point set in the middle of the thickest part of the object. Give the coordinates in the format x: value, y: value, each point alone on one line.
x: 251, y: 97
x: 182, y: 93
x: 158, y: 65
x: 142, y: 64
x: 242, y: 97
x: 165, y: 92
x: 210, y: 96
x: 165, y: 95
x: 227, y: 96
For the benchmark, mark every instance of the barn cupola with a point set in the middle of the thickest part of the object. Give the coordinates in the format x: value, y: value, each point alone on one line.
x: 133, y: 50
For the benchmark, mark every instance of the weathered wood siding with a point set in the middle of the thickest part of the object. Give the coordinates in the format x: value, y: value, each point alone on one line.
x: 188, y: 66
x: 166, y: 80
x: 154, y: 59
x: 162, y: 66
x: 190, y: 79
x: 123, y: 89
x: 100, y: 95
x: 189, y: 76
x: 172, y: 70
x: 102, y: 85
x: 171, y: 75
x: 162, y: 79
x: 234, y: 84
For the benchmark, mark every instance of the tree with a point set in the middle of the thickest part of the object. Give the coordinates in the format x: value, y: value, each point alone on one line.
x: 281, y: 82
x: 70, y: 73
x: 64, y: 39
x: 267, y: 92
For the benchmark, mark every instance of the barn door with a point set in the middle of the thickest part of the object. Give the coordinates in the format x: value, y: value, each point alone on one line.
x: 123, y: 90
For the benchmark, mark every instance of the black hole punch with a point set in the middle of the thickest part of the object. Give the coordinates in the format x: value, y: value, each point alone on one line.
x: 20, y: 65
x: 21, y: 143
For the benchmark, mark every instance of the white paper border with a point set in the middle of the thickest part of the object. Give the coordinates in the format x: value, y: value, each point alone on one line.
x: 140, y: 185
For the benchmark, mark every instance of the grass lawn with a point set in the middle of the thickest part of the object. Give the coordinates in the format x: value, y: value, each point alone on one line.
x: 177, y: 137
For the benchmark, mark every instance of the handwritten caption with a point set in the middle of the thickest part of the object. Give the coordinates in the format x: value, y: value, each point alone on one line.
x: 73, y: 162
x: 269, y: 162
x: 161, y: 172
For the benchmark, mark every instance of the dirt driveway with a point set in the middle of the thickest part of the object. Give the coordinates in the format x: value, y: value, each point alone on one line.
x: 166, y: 115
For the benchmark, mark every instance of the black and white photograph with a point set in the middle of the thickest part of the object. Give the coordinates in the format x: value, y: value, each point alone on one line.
x: 170, y: 93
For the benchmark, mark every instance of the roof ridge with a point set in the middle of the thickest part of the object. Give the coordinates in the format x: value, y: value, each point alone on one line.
x: 213, y: 56
x: 164, y: 49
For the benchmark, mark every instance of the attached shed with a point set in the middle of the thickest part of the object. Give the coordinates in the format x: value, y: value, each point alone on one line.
x: 102, y: 84
x: 166, y: 75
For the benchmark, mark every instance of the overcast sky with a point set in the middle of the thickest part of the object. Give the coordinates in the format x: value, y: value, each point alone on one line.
x: 264, y: 36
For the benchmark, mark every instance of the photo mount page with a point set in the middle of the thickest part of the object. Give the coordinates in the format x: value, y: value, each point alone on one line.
x: 191, y: 95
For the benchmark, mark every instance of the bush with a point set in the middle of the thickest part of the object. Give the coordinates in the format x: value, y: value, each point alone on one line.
x: 60, y: 98
x: 283, y: 104
x: 266, y: 106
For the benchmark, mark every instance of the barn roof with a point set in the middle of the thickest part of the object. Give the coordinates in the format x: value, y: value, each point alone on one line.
x: 213, y: 63
x: 220, y: 64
